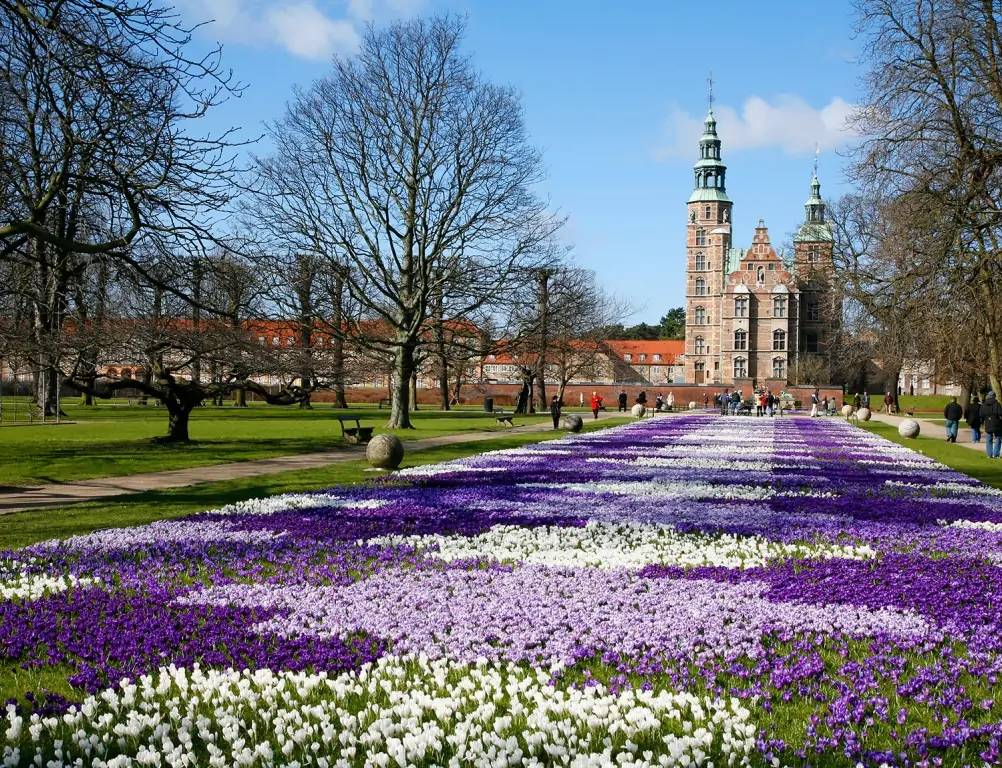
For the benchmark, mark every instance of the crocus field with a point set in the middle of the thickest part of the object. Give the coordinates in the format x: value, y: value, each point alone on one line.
x: 686, y: 590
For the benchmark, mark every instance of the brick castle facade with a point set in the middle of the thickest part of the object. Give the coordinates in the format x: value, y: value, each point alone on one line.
x: 753, y: 318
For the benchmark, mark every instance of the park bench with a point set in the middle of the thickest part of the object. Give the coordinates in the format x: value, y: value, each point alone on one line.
x: 504, y: 418
x: 357, y: 434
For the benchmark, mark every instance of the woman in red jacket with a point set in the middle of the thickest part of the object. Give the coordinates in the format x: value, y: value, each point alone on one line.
x: 596, y: 403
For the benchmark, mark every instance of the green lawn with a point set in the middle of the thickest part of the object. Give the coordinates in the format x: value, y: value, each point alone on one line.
x: 918, y: 403
x: 111, y: 439
x: 19, y: 529
x: 966, y: 460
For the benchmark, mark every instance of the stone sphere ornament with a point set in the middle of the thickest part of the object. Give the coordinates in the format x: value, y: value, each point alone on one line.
x: 638, y: 411
x: 847, y: 411
x: 692, y: 405
x: 863, y: 414
x: 571, y: 423
x: 385, y: 452
x: 909, y: 428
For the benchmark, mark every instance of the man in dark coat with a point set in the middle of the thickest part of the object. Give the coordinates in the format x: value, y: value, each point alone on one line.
x: 555, y: 411
x: 952, y: 413
x: 973, y: 418
x: 991, y: 422
x: 622, y: 400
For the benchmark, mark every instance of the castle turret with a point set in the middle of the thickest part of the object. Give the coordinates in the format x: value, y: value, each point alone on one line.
x: 708, y: 241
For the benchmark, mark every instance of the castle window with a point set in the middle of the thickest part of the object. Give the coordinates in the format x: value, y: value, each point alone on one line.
x: 657, y: 358
x: 707, y: 212
x: 813, y: 254
x: 643, y: 358
x: 627, y: 357
x: 779, y: 340
x: 700, y: 346
x: 740, y: 368
x: 771, y: 266
x: 741, y: 339
x: 760, y: 276
x: 700, y: 261
x: 811, y: 341
x: 813, y: 312
x: 779, y: 306
x: 700, y: 286
x: 699, y: 365
x: 751, y: 267
x: 741, y: 306
x: 700, y: 316
x: 700, y: 236
x: 778, y: 368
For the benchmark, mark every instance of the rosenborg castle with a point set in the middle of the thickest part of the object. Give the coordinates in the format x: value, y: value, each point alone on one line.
x: 752, y: 317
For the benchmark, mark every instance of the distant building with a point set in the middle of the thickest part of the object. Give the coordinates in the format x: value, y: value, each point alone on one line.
x: 751, y: 316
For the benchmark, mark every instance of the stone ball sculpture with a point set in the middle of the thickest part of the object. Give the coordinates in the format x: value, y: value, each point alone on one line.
x: 638, y: 411
x: 909, y: 428
x: 847, y: 411
x: 571, y: 423
x: 692, y: 405
x: 864, y: 414
x: 385, y: 452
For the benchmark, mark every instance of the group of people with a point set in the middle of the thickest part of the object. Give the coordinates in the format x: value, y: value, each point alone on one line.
x: 980, y: 417
x: 822, y: 405
x: 732, y: 403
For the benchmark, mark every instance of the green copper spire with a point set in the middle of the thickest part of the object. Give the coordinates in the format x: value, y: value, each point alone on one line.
x: 815, y: 228
x: 709, y: 171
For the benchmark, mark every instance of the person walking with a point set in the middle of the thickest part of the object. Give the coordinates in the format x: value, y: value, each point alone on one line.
x: 973, y: 419
x: 735, y: 402
x: 952, y: 413
x: 723, y: 401
x: 622, y: 400
x: 596, y: 404
x: 814, y: 403
x: 555, y: 411
x: 706, y: 400
x: 866, y: 399
x: 659, y: 402
x: 888, y: 403
x: 991, y: 418
x: 670, y: 400
x: 770, y: 403
x: 857, y: 402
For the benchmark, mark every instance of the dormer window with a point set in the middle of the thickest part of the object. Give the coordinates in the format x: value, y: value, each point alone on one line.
x: 643, y: 358
x: 627, y: 357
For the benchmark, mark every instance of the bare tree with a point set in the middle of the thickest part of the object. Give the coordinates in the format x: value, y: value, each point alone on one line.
x: 932, y: 117
x: 407, y: 171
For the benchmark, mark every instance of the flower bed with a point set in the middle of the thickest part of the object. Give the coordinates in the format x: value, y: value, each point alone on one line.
x: 681, y: 591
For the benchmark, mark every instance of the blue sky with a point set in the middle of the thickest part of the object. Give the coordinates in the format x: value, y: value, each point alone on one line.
x: 614, y: 95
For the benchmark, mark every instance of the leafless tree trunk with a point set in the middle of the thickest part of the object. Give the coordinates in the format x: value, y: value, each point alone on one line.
x: 409, y: 170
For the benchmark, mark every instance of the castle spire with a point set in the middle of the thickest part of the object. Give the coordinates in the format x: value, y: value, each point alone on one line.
x: 815, y: 228
x: 709, y: 171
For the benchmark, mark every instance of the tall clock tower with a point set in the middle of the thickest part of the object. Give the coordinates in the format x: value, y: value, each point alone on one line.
x: 708, y: 239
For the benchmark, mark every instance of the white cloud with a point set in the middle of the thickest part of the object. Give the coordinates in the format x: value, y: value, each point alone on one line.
x: 789, y: 123
x: 311, y: 29
x: 305, y: 31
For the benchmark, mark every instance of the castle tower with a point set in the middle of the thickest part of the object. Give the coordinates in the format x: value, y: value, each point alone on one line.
x: 708, y: 240
x: 814, y: 271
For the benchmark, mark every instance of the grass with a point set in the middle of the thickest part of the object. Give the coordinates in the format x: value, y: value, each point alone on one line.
x: 917, y: 403
x: 109, y: 440
x: 20, y: 529
x: 966, y: 460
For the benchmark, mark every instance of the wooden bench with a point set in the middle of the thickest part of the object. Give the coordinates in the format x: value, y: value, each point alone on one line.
x: 355, y: 435
x: 504, y: 418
